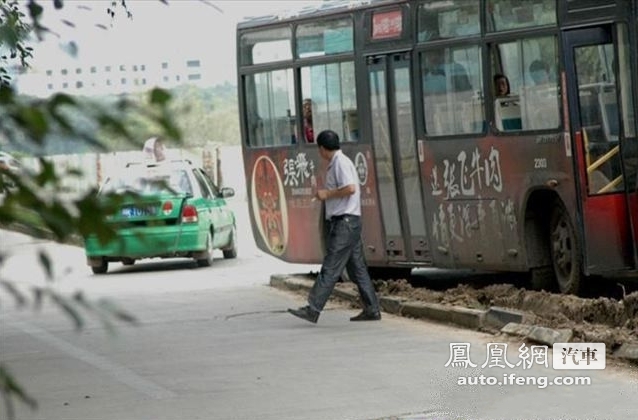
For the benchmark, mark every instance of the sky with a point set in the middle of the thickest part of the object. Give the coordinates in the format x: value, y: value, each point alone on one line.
x: 187, y: 29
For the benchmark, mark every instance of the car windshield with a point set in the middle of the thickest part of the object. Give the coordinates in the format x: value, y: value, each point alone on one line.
x: 149, y: 180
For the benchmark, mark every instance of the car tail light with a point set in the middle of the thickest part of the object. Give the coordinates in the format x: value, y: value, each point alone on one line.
x: 167, y: 208
x: 189, y: 214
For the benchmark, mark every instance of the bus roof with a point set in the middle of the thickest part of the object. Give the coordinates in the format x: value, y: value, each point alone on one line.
x: 327, y: 7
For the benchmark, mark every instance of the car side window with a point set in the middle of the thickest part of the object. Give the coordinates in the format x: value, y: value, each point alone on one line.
x: 206, y: 184
x: 207, y: 192
x: 209, y: 181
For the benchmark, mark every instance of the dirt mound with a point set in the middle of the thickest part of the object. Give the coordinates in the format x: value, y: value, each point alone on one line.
x: 599, y: 319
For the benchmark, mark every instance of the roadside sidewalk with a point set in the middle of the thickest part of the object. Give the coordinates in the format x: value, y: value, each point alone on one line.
x: 496, y: 320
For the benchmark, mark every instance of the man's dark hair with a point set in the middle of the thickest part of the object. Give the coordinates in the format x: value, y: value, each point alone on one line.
x: 328, y: 139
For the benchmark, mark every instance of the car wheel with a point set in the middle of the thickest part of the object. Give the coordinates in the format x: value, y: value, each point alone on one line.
x: 565, y: 252
x: 231, y: 250
x: 207, y: 261
x: 102, y: 268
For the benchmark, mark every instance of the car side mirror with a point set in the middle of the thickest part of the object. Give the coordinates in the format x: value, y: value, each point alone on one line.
x: 228, y: 192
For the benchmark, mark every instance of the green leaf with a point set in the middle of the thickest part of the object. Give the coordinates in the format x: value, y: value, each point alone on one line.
x: 110, y: 307
x: 60, y: 99
x: 33, y: 121
x: 38, y: 294
x: 20, y: 298
x: 68, y: 308
x: 159, y: 96
x: 45, y: 262
x: 7, y: 95
x: 35, y: 10
x: 9, y: 386
x: 47, y: 173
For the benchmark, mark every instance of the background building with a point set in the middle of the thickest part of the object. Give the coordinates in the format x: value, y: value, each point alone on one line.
x: 114, y: 77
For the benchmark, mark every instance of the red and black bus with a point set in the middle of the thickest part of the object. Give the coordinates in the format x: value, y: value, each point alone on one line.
x: 540, y: 178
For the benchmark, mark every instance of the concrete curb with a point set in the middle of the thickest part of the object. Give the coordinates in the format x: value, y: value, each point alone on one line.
x: 495, y: 318
x: 498, y: 317
x: 538, y: 334
x: 628, y: 351
x: 464, y: 317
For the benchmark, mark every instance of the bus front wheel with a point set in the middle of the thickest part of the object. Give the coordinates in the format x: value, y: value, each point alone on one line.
x: 565, y: 252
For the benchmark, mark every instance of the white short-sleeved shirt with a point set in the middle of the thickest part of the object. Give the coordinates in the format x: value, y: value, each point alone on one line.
x: 342, y: 172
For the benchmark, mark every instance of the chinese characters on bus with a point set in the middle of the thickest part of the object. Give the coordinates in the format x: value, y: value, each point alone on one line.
x: 471, y: 176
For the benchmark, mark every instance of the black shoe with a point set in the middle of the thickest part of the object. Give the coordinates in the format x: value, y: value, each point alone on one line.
x: 305, y: 313
x: 367, y: 316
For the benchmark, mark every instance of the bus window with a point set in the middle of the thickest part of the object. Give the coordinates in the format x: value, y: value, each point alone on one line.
x: 331, y: 88
x: 324, y: 38
x: 624, y: 76
x: 270, y: 108
x: 597, y: 102
x: 265, y: 46
x: 452, y: 90
x: 534, y: 99
x: 630, y: 146
x: 515, y: 14
x: 437, y: 19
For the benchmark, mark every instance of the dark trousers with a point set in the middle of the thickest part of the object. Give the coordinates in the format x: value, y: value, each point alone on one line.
x: 344, y: 249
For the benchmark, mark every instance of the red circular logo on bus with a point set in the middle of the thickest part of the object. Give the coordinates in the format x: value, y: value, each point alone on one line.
x: 269, y: 209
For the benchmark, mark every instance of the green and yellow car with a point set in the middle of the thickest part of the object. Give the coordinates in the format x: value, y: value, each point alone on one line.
x: 172, y: 209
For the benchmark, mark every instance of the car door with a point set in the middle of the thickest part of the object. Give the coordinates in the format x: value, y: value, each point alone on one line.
x: 221, y: 217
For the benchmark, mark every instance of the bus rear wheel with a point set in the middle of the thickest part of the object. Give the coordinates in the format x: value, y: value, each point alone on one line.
x: 565, y: 251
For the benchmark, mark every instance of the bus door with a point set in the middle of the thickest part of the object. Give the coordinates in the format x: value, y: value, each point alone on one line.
x: 396, y: 160
x: 599, y: 95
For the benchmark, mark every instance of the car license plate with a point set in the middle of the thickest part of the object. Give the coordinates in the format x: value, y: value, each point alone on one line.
x: 138, y: 211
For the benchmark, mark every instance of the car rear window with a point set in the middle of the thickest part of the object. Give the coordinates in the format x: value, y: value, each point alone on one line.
x: 149, y: 181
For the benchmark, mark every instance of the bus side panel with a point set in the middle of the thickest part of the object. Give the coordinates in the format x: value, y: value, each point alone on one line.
x: 476, y: 193
x: 609, y: 239
x: 284, y: 219
x: 372, y: 234
x: 465, y: 208
x: 607, y: 230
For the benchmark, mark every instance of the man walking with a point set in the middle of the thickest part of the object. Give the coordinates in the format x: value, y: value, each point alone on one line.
x: 344, y: 248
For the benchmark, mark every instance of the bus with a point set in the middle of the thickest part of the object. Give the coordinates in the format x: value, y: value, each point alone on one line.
x: 539, y: 180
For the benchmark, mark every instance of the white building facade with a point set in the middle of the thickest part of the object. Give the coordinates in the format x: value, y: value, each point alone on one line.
x: 107, y: 78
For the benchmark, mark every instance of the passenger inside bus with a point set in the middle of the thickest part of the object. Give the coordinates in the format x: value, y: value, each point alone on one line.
x: 539, y: 72
x: 437, y: 72
x: 507, y: 110
x: 501, y: 85
x: 541, y: 98
x: 307, y: 121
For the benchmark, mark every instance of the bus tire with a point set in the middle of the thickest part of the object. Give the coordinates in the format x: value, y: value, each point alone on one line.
x: 565, y: 251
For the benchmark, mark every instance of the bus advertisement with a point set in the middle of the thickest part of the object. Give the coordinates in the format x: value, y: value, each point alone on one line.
x: 493, y: 135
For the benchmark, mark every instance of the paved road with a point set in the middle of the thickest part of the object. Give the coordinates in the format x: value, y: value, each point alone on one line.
x: 216, y: 343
